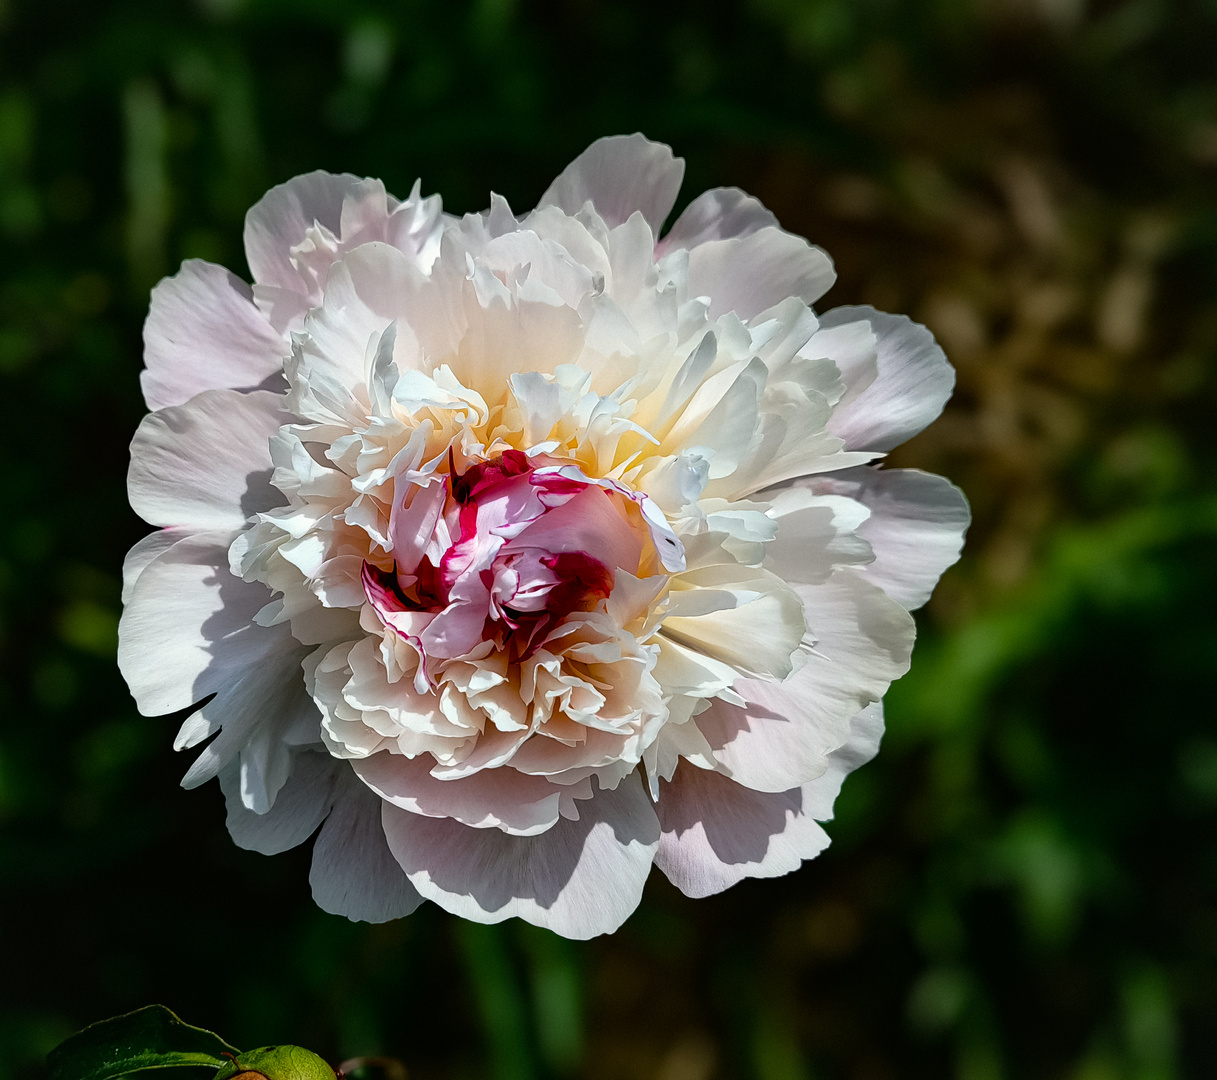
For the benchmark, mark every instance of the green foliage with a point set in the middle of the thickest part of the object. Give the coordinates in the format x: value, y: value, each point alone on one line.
x: 153, y: 1038
x: 140, y: 1041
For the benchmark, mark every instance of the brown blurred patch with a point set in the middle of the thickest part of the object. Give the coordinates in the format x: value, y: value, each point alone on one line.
x: 1040, y: 288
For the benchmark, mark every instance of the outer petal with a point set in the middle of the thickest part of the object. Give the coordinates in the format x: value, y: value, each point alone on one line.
x: 717, y: 214
x: 913, y: 382
x: 206, y: 464
x: 784, y: 734
x: 716, y: 832
x: 916, y: 528
x: 188, y: 628
x: 620, y: 174
x: 263, y: 711
x: 301, y: 806
x: 278, y: 221
x: 749, y: 274
x: 353, y: 873
x: 144, y: 553
x: 865, y: 732
x: 204, y: 332
x: 580, y: 879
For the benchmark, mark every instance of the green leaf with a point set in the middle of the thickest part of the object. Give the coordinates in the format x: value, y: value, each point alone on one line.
x: 149, y: 1038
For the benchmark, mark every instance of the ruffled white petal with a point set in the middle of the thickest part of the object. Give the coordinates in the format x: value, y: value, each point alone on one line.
x: 746, y: 618
x: 353, y: 873
x: 206, y: 464
x: 203, y: 332
x: 717, y: 832
x: 817, y: 533
x: 912, y: 383
x: 278, y: 221
x: 619, y: 175
x: 580, y: 879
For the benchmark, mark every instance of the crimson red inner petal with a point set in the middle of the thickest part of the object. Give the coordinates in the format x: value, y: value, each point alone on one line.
x: 523, y: 587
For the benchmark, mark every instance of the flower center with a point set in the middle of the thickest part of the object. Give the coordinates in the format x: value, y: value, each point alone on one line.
x: 505, y: 553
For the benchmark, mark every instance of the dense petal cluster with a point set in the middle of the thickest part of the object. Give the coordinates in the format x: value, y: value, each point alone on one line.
x: 521, y: 553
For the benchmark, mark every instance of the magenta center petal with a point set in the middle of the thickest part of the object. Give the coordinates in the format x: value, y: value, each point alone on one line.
x: 532, y: 548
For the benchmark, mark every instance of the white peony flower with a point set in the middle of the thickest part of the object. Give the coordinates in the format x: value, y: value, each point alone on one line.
x: 518, y: 553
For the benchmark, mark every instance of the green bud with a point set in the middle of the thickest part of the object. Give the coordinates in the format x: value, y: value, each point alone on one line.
x: 276, y: 1063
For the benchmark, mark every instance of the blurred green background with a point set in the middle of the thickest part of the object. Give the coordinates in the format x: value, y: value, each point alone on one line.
x: 1024, y: 883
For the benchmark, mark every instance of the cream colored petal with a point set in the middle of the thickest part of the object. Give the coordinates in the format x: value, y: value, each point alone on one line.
x: 783, y: 734
x: 757, y: 634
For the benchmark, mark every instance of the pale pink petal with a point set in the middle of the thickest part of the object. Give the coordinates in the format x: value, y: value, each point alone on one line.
x: 457, y: 629
x: 717, y: 214
x: 278, y: 221
x: 411, y: 528
x: 782, y: 736
x: 620, y: 174
x: 912, y: 385
x: 188, y: 630
x: 716, y: 832
x: 865, y: 733
x: 144, y: 552
x: 299, y: 808
x: 916, y: 527
x: 750, y: 274
x: 203, y: 332
x: 353, y: 873
x: 500, y: 798
x: 206, y: 464
x: 588, y: 523
x: 260, y: 714
x: 580, y: 879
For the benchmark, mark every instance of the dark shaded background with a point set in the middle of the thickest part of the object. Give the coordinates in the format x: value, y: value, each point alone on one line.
x: 1024, y: 883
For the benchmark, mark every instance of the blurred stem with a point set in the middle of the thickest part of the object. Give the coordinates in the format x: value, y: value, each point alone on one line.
x: 499, y: 999
x: 557, y: 992
x: 147, y: 180
x: 373, y: 1068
